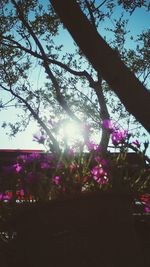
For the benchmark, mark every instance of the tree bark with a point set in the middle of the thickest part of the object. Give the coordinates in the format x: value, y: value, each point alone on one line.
x: 131, y: 92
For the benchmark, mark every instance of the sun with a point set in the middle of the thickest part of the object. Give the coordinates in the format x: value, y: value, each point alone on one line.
x: 72, y: 132
x: 75, y: 135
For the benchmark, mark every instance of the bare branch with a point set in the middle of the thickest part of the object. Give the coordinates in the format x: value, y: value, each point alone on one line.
x: 101, y: 4
x: 50, y: 61
x: 91, y: 14
x: 6, y: 104
x: 59, y: 96
x: 55, y: 145
x: 145, y: 77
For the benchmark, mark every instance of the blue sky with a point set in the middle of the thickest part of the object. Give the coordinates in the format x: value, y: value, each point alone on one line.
x: 138, y: 21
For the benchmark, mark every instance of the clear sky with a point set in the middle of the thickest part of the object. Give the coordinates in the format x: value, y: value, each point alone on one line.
x: 140, y: 20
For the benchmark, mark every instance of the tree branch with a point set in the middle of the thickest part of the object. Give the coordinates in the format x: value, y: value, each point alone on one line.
x: 129, y: 89
x: 5, y: 105
x: 91, y: 14
x: 104, y: 114
x: 101, y: 4
x: 146, y: 158
x: 55, y: 145
x: 50, y: 61
x: 59, y: 96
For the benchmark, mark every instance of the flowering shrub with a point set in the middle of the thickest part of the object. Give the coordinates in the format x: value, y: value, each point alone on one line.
x: 41, y: 176
x: 47, y: 176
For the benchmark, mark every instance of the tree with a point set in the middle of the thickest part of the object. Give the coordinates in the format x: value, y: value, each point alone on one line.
x: 118, y: 76
x: 28, y: 33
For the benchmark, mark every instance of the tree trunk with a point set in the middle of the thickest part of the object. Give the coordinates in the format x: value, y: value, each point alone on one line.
x: 128, y: 88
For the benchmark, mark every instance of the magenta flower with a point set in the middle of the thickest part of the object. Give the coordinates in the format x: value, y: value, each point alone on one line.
x: 6, y: 196
x: 97, y: 171
x: 119, y: 136
x: 45, y: 165
x: 108, y: 124
x: 101, y: 161
x: 103, y: 180
x: 48, y: 157
x: 39, y: 137
x: 91, y: 146
x: 32, y: 157
x: 147, y: 209
x: 12, y: 169
x: 136, y: 143
x: 22, y: 157
x: 17, y: 167
x: 1, y: 196
x: 57, y: 180
x: 99, y: 175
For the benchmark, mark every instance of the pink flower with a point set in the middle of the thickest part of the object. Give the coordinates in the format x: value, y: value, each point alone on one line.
x: 91, y: 146
x: 97, y: 171
x: 45, y: 165
x: 1, y: 196
x: 147, y: 209
x: 22, y: 157
x: 39, y: 137
x: 48, y: 157
x: 57, y: 180
x: 101, y: 161
x: 32, y: 157
x: 99, y: 175
x: 136, y: 143
x: 119, y: 136
x: 108, y: 124
x: 17, y: 167
x: 6, y: 196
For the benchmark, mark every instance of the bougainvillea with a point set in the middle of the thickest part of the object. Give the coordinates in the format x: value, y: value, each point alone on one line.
x: 43, y: 176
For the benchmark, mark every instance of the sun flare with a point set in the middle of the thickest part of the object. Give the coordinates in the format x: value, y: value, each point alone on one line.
x: 72, y: 132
